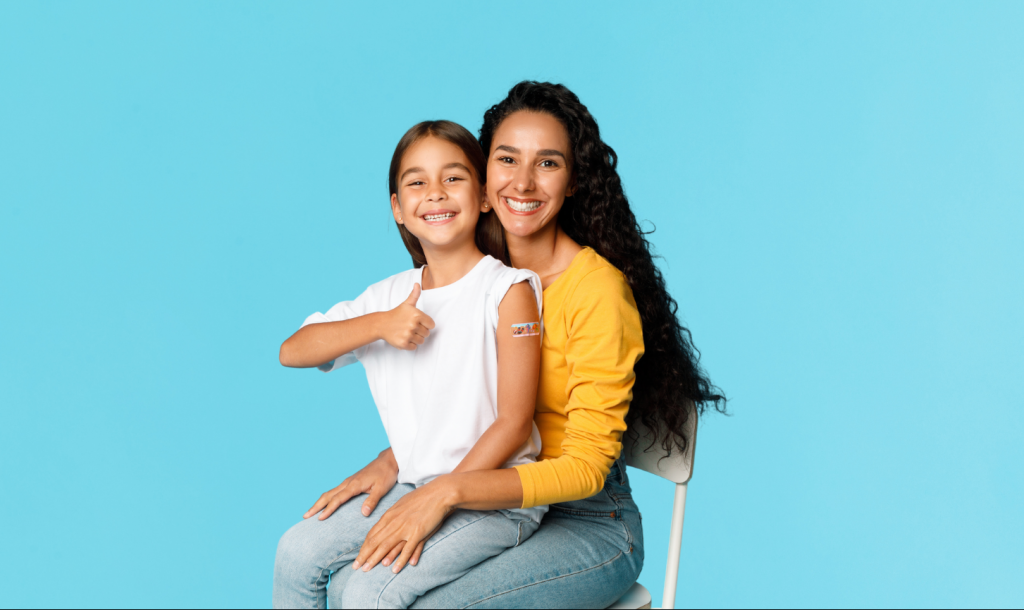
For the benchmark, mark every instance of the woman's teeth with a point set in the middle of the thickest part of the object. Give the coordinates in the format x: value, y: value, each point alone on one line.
x: 437, y: 217
x: 522, y: 206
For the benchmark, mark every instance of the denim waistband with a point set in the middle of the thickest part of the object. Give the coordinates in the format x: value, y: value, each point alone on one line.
x: 612, y: 501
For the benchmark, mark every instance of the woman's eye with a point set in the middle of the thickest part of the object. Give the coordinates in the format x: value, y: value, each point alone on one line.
x: 506, y: 159
x: 548, y: 163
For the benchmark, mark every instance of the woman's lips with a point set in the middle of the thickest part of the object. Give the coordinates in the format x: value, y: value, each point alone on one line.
x: 522, y: 207
x: 438, y: 217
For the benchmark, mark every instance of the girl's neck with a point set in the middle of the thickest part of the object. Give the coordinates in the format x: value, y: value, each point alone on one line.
x: 447, y: 266
x: 548, y: 252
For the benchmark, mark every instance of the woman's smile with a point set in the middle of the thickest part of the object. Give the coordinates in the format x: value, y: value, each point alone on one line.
x: 522, y: 207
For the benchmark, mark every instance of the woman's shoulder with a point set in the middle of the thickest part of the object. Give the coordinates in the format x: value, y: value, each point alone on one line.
x: 591, y: 275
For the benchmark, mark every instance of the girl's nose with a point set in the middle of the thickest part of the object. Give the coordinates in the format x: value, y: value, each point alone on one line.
x: 436, y: 194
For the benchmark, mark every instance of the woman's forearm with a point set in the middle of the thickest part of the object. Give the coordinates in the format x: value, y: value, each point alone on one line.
x: 482, y: 490
x: 316, y: 344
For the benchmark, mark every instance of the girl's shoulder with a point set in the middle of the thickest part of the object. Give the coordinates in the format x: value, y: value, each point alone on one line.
x: 500, y: 278
x: 398, y: 285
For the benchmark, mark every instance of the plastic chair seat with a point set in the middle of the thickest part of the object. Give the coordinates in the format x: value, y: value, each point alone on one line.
x: 637, y: 597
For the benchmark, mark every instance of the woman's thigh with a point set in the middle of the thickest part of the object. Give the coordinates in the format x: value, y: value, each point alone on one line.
x: 572, y: 561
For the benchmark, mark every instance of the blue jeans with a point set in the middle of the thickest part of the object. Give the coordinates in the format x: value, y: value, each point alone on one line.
x: 312, y: 550
x: 586, y: 554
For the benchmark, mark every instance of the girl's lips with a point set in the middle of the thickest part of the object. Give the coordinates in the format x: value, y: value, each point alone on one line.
x: 437, y: 218
x: 508, y: 206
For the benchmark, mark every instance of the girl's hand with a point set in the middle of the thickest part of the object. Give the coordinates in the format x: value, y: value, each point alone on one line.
x: 376, y: 479
x: 399, y: 536
x: 405, y: 327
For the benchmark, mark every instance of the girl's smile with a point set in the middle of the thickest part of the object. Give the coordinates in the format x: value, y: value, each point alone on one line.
x: 438, y: 217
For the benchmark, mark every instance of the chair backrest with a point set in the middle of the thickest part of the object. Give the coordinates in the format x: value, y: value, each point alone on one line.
x: 676, y: 467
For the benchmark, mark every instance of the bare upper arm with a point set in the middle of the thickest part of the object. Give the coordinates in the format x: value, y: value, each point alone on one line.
x: 518, y: 354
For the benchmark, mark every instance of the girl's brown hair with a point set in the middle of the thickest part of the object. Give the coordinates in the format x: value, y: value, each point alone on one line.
x: 490, y: 237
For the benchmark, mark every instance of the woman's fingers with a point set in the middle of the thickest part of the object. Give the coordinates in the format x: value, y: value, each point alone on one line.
x: 416, y: 554
x: 404, y: 557
x: 378, y: 554
x: 394, y: 553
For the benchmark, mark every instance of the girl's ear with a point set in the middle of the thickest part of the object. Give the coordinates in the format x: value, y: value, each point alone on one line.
x: 396, y: 209
x: 485, y: 204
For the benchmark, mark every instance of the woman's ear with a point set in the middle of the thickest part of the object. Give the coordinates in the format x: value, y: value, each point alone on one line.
x: 485, y: 204
x: 571, y: 189
x: 396, y: 209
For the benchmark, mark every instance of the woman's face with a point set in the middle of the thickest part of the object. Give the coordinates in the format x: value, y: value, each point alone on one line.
x: 439, y: 197
x: 529, y: 171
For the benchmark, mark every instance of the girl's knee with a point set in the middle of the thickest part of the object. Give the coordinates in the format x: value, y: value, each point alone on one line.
x: 296, y: 549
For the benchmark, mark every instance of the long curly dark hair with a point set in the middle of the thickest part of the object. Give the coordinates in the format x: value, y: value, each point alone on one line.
x: 668, y: 377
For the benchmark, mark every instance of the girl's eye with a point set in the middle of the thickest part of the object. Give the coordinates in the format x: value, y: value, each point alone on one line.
x: 418, y: 182
x: 453, y: 179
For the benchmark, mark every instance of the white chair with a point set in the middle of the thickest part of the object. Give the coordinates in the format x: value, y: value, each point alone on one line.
x: 678, y: 468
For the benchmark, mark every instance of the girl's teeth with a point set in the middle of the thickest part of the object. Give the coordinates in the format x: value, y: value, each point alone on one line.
x: 522, y: 206
x: 436, y: 217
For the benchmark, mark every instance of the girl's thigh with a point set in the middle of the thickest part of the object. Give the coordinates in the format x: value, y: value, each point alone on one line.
x: 570, y: 562
x: 317, y: 542
x: 311, y: 549
x: 466, y: 539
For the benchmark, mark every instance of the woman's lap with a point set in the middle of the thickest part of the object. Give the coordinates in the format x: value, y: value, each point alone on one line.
x: 581, y: 557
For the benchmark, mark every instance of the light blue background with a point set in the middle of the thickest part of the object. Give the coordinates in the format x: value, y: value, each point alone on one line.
x: 838, y: 190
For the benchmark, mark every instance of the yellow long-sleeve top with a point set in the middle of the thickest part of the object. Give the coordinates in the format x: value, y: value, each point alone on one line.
x: 592, y: 339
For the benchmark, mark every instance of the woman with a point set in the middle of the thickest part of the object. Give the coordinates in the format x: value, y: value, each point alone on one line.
x: 553, y: 184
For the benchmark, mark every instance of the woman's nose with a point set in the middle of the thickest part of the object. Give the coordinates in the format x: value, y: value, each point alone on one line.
x: 524, y: 179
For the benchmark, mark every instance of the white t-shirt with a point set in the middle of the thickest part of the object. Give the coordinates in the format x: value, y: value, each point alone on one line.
x: 436, y: 401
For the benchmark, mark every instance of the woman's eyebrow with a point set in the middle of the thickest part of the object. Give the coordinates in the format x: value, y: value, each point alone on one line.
x: 546, y: 152
x: 550, y: 152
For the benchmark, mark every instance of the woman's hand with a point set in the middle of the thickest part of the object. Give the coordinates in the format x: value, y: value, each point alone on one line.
x: 405, y: 327
x: 376, y: 479
x: 399, y: 536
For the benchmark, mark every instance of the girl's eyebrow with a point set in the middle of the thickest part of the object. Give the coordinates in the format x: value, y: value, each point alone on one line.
x: 420, y: 169
x: 457, y: 164
x: 409, y: 171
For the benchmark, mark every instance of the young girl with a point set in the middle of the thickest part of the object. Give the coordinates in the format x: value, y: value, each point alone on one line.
x: 451, y: 350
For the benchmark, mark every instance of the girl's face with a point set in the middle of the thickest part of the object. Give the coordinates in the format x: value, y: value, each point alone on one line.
x: 529, y: 171
x: 439, y: 197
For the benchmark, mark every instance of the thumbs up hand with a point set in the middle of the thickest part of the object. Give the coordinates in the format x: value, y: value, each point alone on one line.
x: 405, y: 327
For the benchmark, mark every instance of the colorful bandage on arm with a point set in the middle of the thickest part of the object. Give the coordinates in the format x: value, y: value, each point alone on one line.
x: 529, y: 329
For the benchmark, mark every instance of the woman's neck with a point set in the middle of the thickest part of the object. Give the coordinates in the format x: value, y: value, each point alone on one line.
x: 448, y: 265
x: 548, y: 252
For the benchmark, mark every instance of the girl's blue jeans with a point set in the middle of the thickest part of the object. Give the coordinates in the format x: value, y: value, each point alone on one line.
x: 585, y: 554
x: 314, y: 552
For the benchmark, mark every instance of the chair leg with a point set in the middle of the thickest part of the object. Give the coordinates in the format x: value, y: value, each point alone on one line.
x: 675, y: 543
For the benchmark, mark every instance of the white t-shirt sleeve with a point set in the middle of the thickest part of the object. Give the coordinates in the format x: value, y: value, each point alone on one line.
x: 509, y: 278
x: 346, y: 310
